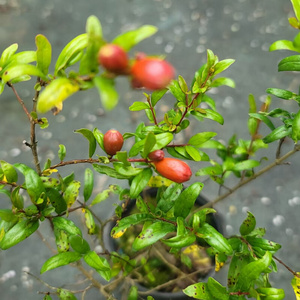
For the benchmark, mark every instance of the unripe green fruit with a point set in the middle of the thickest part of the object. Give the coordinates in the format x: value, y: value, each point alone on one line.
x: 152, y: 73
x: 173, y: 169
x: 156, y: 155
x: 112, y: 142
x: 113, y: 58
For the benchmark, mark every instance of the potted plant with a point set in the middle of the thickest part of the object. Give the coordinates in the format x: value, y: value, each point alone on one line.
x: 150, y: 156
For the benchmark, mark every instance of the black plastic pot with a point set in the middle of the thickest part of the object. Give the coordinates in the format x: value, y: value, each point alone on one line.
x: 111, y: 245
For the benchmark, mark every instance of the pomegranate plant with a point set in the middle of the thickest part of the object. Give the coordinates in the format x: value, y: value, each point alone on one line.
x: 151, y: 156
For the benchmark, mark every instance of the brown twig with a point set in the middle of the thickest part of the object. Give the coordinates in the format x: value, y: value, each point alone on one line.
x: 286, y: 266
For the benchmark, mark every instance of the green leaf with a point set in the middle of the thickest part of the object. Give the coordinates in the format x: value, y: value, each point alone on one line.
x: 57, y: 200
x: 157, y: 95
x: 222, y: 65
x: 217, y: 290
x: 101, y: 196
x: 129, y: 221
x: 139, y: 182
x: 176, y: 91
x: 99, y: 137
x: 162, y: 140
x: 62, y: 152
x: 150, y: 141
x: 296, y: 7
x: 283, y: 45
x: 248, y: 224
x: 183, y: 84
x: 280, y: 93
x: 296, y: 127
x: 108, y: 94
x: 137, y: 106
x: 88, y: 184
x: 43, y: 53
x: 169, y: 196
x: 223, y: 81
x: 193, y: 153
x: 55, y: 93
x: 90, y: 137
x: 277, y: 134
x: 133, y: 293
x: 111, y: 172
x: 263, y: 244
x: 59, y: 260
x: 251, y: 272
x: 71, y: 193
x: 214, y: 238
x: 209, y: 114
x: 64, y: 294
x: 127, y: 170
x: 185, y: 202
x: 180, y: 241
x: 89, y: 221
x: 7, y: 54
x: 290, y: 63
x: 268, y: 293
x: 198, y: 139
x: 264, y: 119
x: 67, y: 225
x: 129, y: 39
x: 16, y: 198
x: 19, y: 70
x: 18, y: 233
x: 89, y: 63
x: 71, y: 51
x: 245, y: 165
x: 34, y: 183
x: 24, y: 57
x: 9, y: 172
x: 152, y: 234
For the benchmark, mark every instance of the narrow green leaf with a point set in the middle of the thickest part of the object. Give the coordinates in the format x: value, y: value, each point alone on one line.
x: 90, y: 137
x: 137, y: 106
x: 88, y: 184
x: 199, y: 291
x: 193, y: 153
x: 176, y: 91
x: 55, y: 93
x: 111, y: 172
x: 217, y: 290
x: 277, y: 134
x: 223, y: 81
x: 71, y: 50
x: 18, y: 70
x: 245, y: 165
x: 59, y: 260
x: 198, y: 139
x: 152, y: 234
x: 64, y: 294
x: 24, y: 57
x: 108, y: 94
x: 248, y: 224
x: 185, y: 202
x: 162, y: 140
x: 129, y: 221
x: 157, y: 95
x: 101, y: 196
x: 67, y: 225
x: 280, y: 93
x: 99, y: 137
x: 283, y: 45
x: 62, y: 152
x: 214, y: 238
x: 43, y: 53
x: 131, y: 38
x: 268, y: 293
x: 127, y: 170
x: 89, y: 221
x: 222, y: 65
x: 150, y: 141
x: 7, y: 54
x: 209, y: 114
x: 18, y: 233
x: 264, y: 119
x: 139, y: 182
x: 290, y: 63
x: 296, y: 127
x: 71, y: 193
x: 296, y: 7
x: 9, y: 172
x: 251, y: 272
x: 57, y: 200
x: 183, y: 84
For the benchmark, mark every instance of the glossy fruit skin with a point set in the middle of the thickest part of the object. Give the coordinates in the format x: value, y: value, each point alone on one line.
x: 174, y: 169
x: 152, y: 73
x: 113, y: 58
x: 156, y: 155
x: 112, y: 142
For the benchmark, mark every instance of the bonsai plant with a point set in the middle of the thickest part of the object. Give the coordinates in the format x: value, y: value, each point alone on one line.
x: 154, y: 158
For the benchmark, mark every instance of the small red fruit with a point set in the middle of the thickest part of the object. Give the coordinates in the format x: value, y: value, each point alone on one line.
x: 173, y: 169
x: 113, y: 58
x: 112, y: 142
x: 152, y: 73
x: 156, y: 155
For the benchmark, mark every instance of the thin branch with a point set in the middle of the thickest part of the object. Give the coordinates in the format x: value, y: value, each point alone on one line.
x: 286, y: 266
x: 244, y: 182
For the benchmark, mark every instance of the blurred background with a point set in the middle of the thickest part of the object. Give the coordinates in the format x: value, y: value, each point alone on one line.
x: 238, y: 29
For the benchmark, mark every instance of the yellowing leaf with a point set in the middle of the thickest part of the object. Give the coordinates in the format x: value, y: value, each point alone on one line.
x: 159, y: 181
x: 296, y: 285
x: 48, y: 172
x: 55, y: 93
x: 219, y: 264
